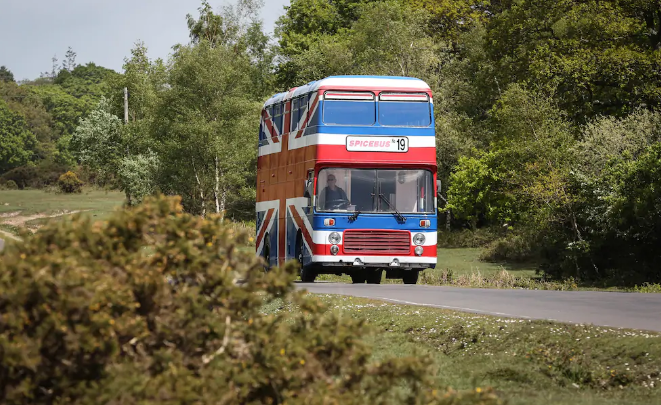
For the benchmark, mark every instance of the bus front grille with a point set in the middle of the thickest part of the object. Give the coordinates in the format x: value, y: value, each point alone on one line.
x: 377, y: 242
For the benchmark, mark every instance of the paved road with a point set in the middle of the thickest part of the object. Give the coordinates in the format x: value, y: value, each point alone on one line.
x: 621, y: 310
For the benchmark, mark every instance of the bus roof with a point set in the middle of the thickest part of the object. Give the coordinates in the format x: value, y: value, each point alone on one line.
x: 400, y: 83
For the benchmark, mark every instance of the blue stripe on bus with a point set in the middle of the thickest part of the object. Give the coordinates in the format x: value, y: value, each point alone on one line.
x: 373, y: 221
x: 374, y: 130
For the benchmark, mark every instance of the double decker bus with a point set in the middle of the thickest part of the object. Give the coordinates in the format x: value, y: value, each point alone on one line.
x: 346, y: 178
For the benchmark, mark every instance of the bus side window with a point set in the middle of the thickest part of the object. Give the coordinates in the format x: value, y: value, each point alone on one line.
x: 294, y: 115
x: 277, y: 120
x: 304, y: 106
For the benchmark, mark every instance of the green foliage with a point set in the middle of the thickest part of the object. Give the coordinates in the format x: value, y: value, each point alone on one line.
x: 635, y: 214
x: 70, y: 183
x: 605, y: 64
x: 44, y: 173
x: 87, y: 82
x: 199, y: 127
x: 354, y: 37
x: 136, y: 175
x: 6, y: 75
x: 64, y: 108
x: 16, y: 141
x: 452, y: 17
x: 11, y: 185
x: 23, y: 100
x: 129, y: 311
x: 522, y: 178
x: 97, y: 141
x: 608, y: 139
x: 514, y: 248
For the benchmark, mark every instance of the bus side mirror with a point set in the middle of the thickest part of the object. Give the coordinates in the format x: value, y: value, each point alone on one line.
x: 438, y: 187
x: 309, y: 184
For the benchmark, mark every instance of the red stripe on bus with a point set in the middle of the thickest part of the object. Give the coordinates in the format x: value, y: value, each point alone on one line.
x: 301, y: 225
x: 269, y: 214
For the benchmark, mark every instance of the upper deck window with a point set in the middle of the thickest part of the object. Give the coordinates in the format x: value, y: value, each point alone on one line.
x: 349, y: 108
x: 404, y: 109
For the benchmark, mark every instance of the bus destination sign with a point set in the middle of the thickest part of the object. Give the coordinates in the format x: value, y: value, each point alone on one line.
x: 377, y: 143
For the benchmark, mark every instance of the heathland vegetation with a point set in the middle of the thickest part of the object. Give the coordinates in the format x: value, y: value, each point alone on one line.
x: 547, y: 118
x: 548, y: 148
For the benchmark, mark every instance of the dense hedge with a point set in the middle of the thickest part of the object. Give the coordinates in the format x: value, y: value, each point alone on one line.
x: 156, y: 306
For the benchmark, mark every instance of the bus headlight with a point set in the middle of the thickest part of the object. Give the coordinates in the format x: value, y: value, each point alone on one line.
x: 418, y: 239
x: 334, y: 238
x: 334, y: 250
x: 418, y: 250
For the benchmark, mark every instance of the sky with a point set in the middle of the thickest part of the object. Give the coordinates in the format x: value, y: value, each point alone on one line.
x: 99, y: 31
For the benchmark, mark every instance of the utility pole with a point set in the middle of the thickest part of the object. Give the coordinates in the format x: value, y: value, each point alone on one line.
x: 126, y: 105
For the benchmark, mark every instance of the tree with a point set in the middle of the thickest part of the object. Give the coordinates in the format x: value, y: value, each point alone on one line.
x: 69, y: 63
x: 386, y: 38
x: 607, y: 64
x: 450, y: 18
x: 200, y: 123
x: 64, y: 108
x: 25, y: 101
x: 16, y: 141
x: 97, y: 141
x: 6, y: 75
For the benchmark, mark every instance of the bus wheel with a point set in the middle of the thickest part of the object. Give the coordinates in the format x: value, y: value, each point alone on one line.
x: 307, y: 274
x: 358, y: 276
x: 374, y: 276
x: 267, y: 257
x: 410, y: 276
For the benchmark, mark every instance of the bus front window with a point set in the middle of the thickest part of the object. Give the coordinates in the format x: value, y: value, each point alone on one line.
x: 375, y: 190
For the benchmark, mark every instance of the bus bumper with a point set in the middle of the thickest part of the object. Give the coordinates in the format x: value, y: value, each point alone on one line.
x: 402, y: 262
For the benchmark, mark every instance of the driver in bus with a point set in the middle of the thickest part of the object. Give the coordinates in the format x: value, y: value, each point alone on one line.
x: 332, y: 196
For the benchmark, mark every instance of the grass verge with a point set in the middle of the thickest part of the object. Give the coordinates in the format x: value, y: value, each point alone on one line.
x: 526, y: 362
x: 33, y: 208
x: 30, y: 202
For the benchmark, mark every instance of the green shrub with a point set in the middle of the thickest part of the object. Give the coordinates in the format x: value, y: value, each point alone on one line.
x: 44, y: 174
x: 70, y: 183
x: 11, y: 185
x: 511, y: 248
x: 468, y: 238
x: 157, y: 306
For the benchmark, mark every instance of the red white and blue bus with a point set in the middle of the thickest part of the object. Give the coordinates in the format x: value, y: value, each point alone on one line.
x: 346, y: 178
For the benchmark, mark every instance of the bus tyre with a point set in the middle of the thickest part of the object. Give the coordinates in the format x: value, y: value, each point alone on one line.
x: 267, y: 257
x: 358, y: 276
x: 410, y: 276
x: 307, y: 274
x: 374, y: 276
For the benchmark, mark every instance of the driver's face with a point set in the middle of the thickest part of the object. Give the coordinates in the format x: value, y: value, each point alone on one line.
x: 331, y: 181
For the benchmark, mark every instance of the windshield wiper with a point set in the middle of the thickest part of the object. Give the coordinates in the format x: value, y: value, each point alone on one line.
x: 354, y: 216
x: 397, y: 213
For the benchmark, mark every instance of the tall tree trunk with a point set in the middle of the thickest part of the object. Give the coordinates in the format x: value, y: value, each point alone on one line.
x: 216, y: 185
x: 223, y: 199
x: 199, y: 185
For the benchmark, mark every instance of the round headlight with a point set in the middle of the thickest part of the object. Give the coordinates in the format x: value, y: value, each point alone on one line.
x: 334, y: 238
x: 418, y: 250
x: 418, y: 239
x: 334, y: 250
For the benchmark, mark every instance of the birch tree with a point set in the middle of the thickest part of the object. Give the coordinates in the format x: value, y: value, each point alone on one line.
x: 205, y: 126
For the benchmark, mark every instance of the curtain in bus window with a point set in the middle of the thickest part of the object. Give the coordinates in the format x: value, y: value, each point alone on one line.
x: 404, y: 109
x: 349, y: 108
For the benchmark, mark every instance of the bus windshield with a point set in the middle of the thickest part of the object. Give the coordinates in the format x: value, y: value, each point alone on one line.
x: 375, y: 190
